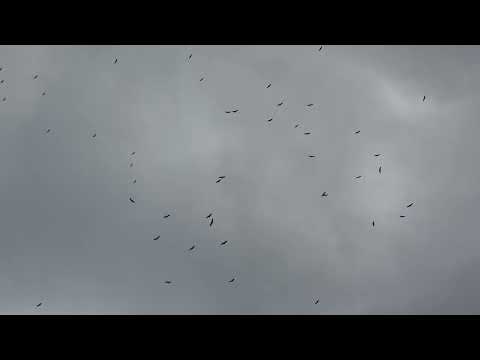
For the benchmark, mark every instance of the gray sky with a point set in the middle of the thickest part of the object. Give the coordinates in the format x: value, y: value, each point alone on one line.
x: 71, y: 239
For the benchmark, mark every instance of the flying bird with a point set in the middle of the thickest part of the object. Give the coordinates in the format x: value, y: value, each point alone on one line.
x: 358, y: 177
x: 222, y: 177
x: 43, y: 93
x: 231, y: 281
x: 296, y: 126
x: 280, y: 104
x: 190, y: 56
x: 38, y: 305
x: 94, y: 135
x: 35, y: 77
x: 166, y: 216
x: 269, y: 85
x: 424, y: 98
x: 380, y: 169
x: 134, y: 181
x: 410, y: 205
x: 311, y: 156
x: 310, y: 105
x: 131, y: 164
x: 373, y: 223
x: 156, y: 237
x: 321, y: 47
x: 2, y: 81
x: 325, y: 193
x: 1, y: 69
x: 168, y: 282
x: 193, y: 247
x: 376, y: 155
x: 201, y: 79
x: 227, y: 112
x: 133, y: 153
x: 208, y: 216
x: 211, y: 222
x: 269, y: 120
x: 307, y: 133
x: 131, y: 200
x: 48, y: 130
x: 218, y: 181
x: 223, y: 242
x: 116, y: 60
x: 357, y: 132
x: 402, y: 216
x: 316, y: 301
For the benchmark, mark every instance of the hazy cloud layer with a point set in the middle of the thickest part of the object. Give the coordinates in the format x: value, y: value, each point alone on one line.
x: 71, y: 239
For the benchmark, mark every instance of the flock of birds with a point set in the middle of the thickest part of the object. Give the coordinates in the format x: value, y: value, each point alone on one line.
x: 221, y: 178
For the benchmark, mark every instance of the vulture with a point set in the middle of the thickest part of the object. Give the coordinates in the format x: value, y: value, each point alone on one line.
x: 2, y: 81
x: 227, y: 112
x: 311, y: 156
x: 409, y: 205
x: 94, y: 135
x: 156, y: 237
x: 131, y: 200
x: 234, y: 111
x: 134, y: 181
x: 133, y: 153
x: 190, y: 56
x: 222, y: 177
x: 218, y: 181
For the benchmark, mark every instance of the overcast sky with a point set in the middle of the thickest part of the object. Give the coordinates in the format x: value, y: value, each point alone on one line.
x: 71, y: 239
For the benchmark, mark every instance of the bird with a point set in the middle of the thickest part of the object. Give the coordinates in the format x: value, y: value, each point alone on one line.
x: 43, y: 93
x: 166, y: 216
x: 193, y: 247
x: 269, y: 85
x: 269, y: 120
x: 223, y: 242
x: 358, y: 177
x: 311, y: 156
x: 48, y: 130
x: 402, y: 216
x: 410, y: 205
x: 156, y: 237
x: 325, y: 193
x: 316, y: 301
x: 1, y: 69
x: 94, y: 135
x: 280, y: 104
x: 357, y: 132
x: 310, y: 105
x: 234, y: 111
x: 307, y: 133
x: 133, y: 153
x: 227, y: 112
x: 424, y: 97
x: 218, y: 181
x: 380, y: 169
x: 296, y: 126
x: 373, y: 223
x: 35, y: 77
x: 201, y: 79
x: 321, y: 47
x: 231, y: 281
x: 376, y: 155
x: 190, y: 56
x: 208, y: 216
x: 116, y: 60
x: 168, y: 282
x: 222, y: 177
x: 131, y: 164
x: 38, y: 305
x: 211, y: 222
x: 134, y: 181
x: 131, y: 200
x: 4, y: 99
x: 2, y: 81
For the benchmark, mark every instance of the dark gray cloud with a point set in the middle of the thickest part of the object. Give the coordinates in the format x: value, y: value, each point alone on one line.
x: 71, y: 239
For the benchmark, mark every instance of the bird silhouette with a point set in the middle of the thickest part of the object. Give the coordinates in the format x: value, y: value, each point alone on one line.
x: 223, y: 242
x: 4, y: 99
x: 321, y: 47
x: 190, y: 56
x: 358, y: 177
x: 311, y: 156
x: 410, y: 205
x: 402, y: 216
x: 131, y: 200
x: 2, y: 81
x: 131, y: 164
x: 168, y: 282
x: 280, y: 104
x: 424, y: 98
x: 48, y: 130
x: 376, y: 155
x: 269, y: 120
x: 211, y: 222
x: 227, y: 112
x: 193, y: 247
x: 269, y: 85
x: 116, y: 60
x: 307, y: 133
x: 208, y: 216
x: 133, y: 153
x: 218, y: 181
x: 1, y: 69
x: 43, y: 93
x: 373, y: 223
x: 38, y: 305
x: 357, y: 132
x: 94, y: 135
x: 296, y: 126
x: 310, y: 105
x: 231, y: 281
x: 222, y: 177
x: 166, y: 216
x: 380, y: 169
x: 316, y: 301
x: 234, y: 111
x: 201, y: 79
x: 35, y: 77
x: 134, y: 181
x: 156, y: 237
x: 325, y: 193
